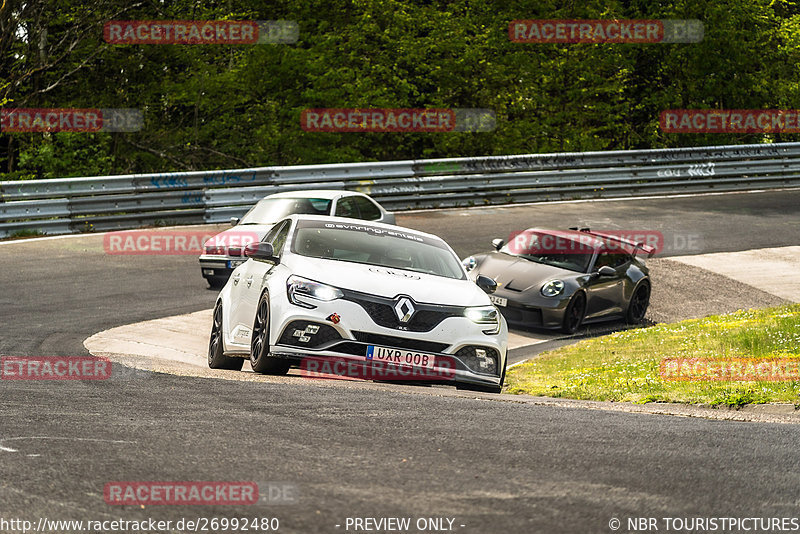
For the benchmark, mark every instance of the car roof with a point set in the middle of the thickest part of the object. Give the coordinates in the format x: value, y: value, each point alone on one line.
x: 329, y: 194
x: 345, y: 220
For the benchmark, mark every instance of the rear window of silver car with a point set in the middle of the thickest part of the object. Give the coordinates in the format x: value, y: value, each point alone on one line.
x: 271, y: 210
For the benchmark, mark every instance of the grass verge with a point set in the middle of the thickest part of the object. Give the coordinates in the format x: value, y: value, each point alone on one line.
x: 625, y: 366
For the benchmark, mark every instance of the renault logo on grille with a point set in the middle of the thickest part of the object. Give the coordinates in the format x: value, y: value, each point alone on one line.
x: 404, y: 309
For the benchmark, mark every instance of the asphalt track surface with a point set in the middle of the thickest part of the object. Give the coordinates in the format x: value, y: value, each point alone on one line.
x: 492, y: 465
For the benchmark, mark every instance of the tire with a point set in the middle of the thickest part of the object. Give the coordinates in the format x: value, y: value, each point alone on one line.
x: 216, y: 358
x: 260, y: 359
x: 637, y: 307
x: 573, y: 315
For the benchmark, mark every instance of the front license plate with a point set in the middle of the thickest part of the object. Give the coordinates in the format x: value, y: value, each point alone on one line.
x: 400, y: 357
x: 232, y: 264
x: 500, y: 301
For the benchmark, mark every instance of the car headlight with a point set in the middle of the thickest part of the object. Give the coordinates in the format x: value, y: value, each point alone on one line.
x: 552, y: 288
x: 484, y: 315
x: 298, y: 288
x: 469, y: 263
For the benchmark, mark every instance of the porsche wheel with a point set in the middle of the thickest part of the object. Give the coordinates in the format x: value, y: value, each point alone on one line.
x: 637, y: 307
x: 216, y: 358
x: 573, y: 316
x: 260, y: 358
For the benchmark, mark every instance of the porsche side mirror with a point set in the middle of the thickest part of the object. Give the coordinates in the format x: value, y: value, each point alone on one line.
x: 605, y: 270
x: 234, y: 221
x: 261, y: 251
x: 497, y: 243
x: 487, y: 284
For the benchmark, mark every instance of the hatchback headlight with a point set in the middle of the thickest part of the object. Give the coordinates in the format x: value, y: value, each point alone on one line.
x: 552, y: 288
x: 298, y: 288
x: 484, y: 315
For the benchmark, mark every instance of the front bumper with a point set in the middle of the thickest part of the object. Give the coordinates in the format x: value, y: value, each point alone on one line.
x: 462, y: 351
x: 218, y: 267
x: 542, y: 312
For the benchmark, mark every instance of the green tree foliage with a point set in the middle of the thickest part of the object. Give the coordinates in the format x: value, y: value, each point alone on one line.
x: 218, y: 106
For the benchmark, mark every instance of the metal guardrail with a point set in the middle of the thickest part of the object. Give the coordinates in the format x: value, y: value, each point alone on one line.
x: 116, y: 202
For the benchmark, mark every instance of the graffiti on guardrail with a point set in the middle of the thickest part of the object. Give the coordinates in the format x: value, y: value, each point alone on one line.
x: 177, y: 181
x: 225, y: 179
x: 511, y: 163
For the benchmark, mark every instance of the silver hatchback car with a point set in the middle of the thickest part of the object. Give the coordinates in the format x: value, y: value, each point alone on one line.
x: 223, y: 253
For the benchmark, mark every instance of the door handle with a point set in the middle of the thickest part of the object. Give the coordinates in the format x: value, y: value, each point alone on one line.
x: 250, y: 280
x: 236, y: 279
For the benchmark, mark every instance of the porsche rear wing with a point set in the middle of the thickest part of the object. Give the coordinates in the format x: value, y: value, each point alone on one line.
x: 636, y: 245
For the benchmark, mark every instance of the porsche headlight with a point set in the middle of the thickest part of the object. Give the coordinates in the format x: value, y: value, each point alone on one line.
x: 298, y: 289
x: 552, y: 288
x: 484, y: 315
x: 469, y: 263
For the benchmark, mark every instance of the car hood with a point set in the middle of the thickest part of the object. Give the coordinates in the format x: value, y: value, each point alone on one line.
x: 389, y: 282
x: 518, y: 274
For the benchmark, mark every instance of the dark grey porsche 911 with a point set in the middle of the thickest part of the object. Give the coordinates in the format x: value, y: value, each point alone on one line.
x: 563, y: 279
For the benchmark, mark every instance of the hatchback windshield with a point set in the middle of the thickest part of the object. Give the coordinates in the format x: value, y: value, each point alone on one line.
x: 371, y: 245
x: 272, y: 210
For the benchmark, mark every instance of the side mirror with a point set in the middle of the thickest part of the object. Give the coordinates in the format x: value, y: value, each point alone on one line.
x: 234, y: 221
x: 261, y: 251
x: 498, y: 243
x: 605, y: 270
x: 487, y: 284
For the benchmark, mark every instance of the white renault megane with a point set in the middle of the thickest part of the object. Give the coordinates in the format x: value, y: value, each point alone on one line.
x: 331, y: 288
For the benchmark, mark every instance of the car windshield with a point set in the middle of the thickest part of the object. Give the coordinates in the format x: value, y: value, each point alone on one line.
x: 577, y: 261
x: 558, y: 249
x: 272, y: 210
x: 370, y: 245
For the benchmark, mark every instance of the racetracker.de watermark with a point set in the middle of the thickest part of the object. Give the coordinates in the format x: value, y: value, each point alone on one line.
x: 730, y: 369
x: 391, y: 367
x: 176, y: 242
x: 19, y: 120
x: 180, y: 493
x: 606, y: 31
x: 575, y: 242
x: 54, y: 368
x: 202, y: 32
x: 429, y: 120
x: 730, y: 121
